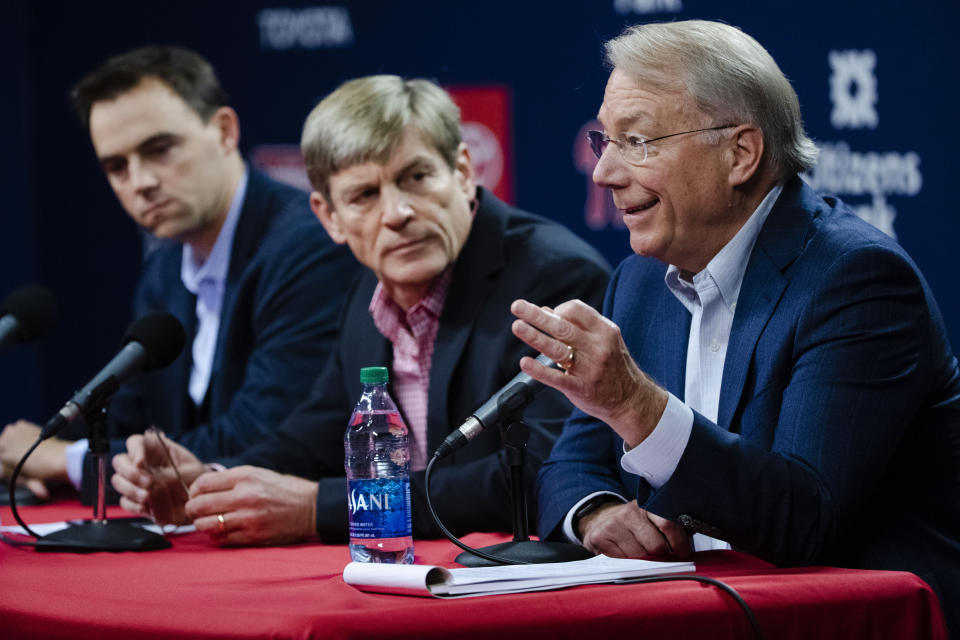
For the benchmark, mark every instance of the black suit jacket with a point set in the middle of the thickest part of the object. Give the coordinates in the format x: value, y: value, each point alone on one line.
x: 509, y: 254
x: 278, y: 321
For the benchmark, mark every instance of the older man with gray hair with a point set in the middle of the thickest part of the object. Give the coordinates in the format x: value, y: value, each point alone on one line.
x: 395, y: 183
x: 770, y: 372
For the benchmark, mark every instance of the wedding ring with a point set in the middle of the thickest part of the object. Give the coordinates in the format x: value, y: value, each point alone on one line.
x: 566, y: 363
x: 223, y: 525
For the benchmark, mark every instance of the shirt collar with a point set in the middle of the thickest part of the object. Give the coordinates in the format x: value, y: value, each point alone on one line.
x: 728, y: 267
x: 389, y: 318
x: 215, y: 267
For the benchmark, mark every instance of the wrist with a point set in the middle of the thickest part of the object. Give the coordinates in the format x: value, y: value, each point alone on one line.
x: 587, y: 511
x: 640, y: 417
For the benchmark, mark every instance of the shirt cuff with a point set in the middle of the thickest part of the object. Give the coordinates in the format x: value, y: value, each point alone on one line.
x: 75, y: 454
x: 656, y: 458
x: 568, y: 532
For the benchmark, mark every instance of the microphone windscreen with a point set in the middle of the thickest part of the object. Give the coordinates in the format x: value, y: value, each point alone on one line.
x: 34, y: 308
x: 161, y: 335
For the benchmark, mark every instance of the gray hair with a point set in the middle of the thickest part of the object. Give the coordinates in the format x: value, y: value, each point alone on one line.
x: 729, y: 76
x: 364, y: 120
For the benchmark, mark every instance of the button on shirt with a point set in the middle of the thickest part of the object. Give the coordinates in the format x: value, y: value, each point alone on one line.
x: 711, y: 299
x: 412, y: 334
x: 207, y: 282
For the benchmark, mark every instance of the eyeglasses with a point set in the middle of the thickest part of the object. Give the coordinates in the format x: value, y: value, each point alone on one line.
x: 633, y: 148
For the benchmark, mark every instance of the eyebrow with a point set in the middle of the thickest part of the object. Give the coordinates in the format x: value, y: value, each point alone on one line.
x: 143, y: 144
x: 628, y: 121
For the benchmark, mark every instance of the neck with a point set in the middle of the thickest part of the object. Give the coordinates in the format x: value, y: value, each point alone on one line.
x: 202, y: 240
x: 406, y: 297
x: 744, y: 200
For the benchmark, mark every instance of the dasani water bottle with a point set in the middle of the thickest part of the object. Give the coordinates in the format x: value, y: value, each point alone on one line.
x: 377, y: 463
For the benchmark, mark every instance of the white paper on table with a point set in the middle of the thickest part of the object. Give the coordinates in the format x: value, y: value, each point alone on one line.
x: 430, y: 580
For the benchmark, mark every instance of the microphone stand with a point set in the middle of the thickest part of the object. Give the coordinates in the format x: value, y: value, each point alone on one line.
x: 521, y: 550
x: 100, y: 534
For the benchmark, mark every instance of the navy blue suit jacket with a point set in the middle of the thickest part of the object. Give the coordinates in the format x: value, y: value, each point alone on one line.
x: 838, y: 435
x: 278, y: 323
x: 509, y: 254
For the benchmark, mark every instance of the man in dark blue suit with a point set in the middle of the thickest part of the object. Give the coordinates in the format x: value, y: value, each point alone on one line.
x: 770, y: 372
x: 241, y: 262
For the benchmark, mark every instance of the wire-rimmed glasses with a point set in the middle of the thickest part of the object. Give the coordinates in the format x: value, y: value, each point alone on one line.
x: 633, y: 147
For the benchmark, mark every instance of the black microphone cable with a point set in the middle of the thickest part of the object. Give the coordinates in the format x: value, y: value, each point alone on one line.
x: 748, y: 612
x: 13, y: 502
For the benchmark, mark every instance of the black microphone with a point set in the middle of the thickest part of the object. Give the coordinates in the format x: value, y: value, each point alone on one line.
x: 27, y: 314
x: 512, y: 397
x: 151, y: 342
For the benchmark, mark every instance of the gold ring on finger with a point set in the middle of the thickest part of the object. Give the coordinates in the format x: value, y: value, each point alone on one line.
x: 566, y: 362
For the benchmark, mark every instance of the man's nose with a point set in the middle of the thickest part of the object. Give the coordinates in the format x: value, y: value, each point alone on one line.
x: 611, y: 170
x: 142, y: 177
x: 397, y: 208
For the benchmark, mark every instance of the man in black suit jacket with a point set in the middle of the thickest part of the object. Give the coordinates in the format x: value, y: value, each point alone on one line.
x: 395, y: 183
x: 241, y: 262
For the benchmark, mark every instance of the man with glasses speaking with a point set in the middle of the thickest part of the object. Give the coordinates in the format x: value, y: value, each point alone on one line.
x: 770, y: 372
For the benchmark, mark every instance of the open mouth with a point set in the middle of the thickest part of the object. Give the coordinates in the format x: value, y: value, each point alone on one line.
x: 642, y: 207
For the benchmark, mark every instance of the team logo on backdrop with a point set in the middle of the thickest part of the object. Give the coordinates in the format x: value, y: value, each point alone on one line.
x: 853, y: 89
x: 485, y: 152
x: 598, y: 210
x: 624, y: 7
x: 327, y: 27
x: 856, y: 175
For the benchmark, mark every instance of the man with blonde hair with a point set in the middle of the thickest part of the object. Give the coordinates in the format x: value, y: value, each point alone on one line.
x: 395, y: 183
x: 770, y: 372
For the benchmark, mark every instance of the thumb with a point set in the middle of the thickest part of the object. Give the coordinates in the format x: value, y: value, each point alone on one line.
x: 38, y: 488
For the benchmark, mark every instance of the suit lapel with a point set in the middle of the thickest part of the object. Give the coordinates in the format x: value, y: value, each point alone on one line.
x: 252, y: 225
x: 782, y: 238
x: 470, y: 288
x: 183, y: 305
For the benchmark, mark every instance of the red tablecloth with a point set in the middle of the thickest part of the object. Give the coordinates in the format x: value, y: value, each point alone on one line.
x: 198, y: 590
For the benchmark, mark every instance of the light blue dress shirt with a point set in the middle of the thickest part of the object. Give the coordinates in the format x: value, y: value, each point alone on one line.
x: 711, y: 298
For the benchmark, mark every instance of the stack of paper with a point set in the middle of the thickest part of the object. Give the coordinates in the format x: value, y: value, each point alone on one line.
x: 429, y: 580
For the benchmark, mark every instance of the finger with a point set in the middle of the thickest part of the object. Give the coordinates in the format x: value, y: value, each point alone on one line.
x: 546, y: 321
x: 580, y: 314
x: 209, y: 504
x: 131, y: 506
x: 232, y: 538
x: 676, y: 536
x: 211, y: 524
x: 129, y: 490
x: 610, y: 547
x: 38, y: 488
x: 649, y: 537
x: 212, y: 481
x: 123, y: 465
x: 135, y: 449
x: 549, y: 376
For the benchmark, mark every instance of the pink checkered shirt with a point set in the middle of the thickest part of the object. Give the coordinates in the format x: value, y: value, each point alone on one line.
x: 412, y: 335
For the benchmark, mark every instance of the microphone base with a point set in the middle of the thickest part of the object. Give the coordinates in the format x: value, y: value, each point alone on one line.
x: 530, y: 551
x: 106, y: 535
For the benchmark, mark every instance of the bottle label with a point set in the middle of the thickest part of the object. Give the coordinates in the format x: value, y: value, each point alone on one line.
x: 379, y: 508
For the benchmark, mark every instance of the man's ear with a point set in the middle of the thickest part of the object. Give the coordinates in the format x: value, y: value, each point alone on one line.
x: 466, y: 176
x: 746, y: 153
x: 228, y: 126
x: 327, y: 216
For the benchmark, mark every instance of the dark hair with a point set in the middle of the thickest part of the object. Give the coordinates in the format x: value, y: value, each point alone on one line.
x: 184, y: 71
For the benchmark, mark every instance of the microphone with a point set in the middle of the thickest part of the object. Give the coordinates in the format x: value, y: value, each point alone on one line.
x: 510, y: 399
x: 151, y: 342
x: 27, y: 314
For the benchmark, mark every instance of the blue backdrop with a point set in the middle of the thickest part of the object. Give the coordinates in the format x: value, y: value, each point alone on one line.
x: 876, y: 82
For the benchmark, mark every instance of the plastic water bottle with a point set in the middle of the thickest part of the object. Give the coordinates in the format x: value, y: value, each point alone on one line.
x: 377, y: 462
